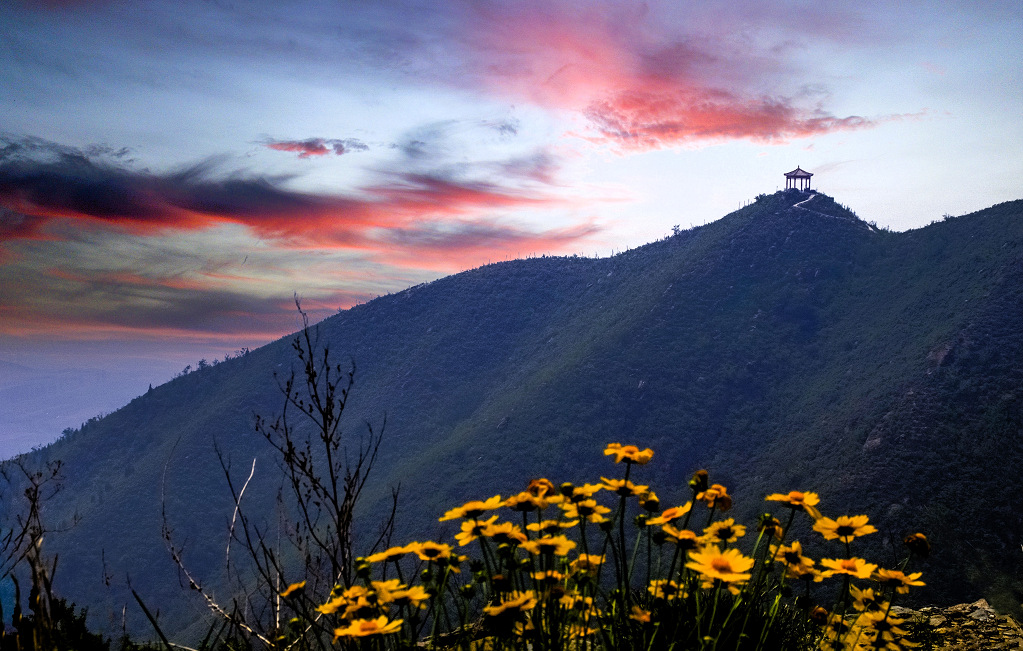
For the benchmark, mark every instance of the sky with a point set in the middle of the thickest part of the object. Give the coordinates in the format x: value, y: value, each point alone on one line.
x: 173, y: 173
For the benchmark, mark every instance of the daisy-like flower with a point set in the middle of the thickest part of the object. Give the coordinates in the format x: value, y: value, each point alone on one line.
x: 917, y: 544
x: 366, y: 627
x: 548, y: 576
x: 526, y: 502
x: 797, y: 566
x: 640, y: 615
x: 856, y: 567
x: 665, y: 589
x: 624, y: 487
x: 729, y: 566
x: 684, y: 538
x: 581, y: 604
x: 516, y: 602
x: 577, y: 630
x: 353, y: 596
x: 547, y: 527
x: 886, y: 629
x: 649, y: 502
x: 865, y: 599
x: 580, y: 493
x: 504, y: 532
x: 473, y: 509
x: 799, y: 501
x: 415, y: 596
x: 586, y: 563
x: 698, y: 483
x: 770, y: 526
x: 388, y: 555
x: 724, y: 532
x: 540, y: 487
x: 716, y: 497
x: 557, y: 545
x: 900, y: 580
x: 628, y: 453
x: 383, y: 590
x: 473, y: 529
x: 845, y: 528
x: 293, y: 588
x: 674, y: 513
x: 429, y: 550
x: 588, y: 509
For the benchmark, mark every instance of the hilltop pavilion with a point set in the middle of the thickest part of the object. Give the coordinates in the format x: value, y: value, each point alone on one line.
x: 798, y: 178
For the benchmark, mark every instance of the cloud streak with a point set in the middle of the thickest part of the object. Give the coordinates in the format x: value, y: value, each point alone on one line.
x: 75, y: 187
x: 317, y: 146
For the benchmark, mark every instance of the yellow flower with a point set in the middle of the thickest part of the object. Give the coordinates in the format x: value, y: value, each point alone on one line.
x: 640, y: 615
x: 770, y: 526
x: 384, y: 589
x: 624, y: 487
x: 416, y: 596
x: 684, y: 538
x: 729, y: 566
x: 628, y: 453
x: 885, y: 628
x: 578, y: 630
x: 798, y: 500
x: 649, y: 501
x: 673, y: 513
x: 390, y: 554
x: 584, y: 492
x: 865, y: 599
x: 901, y: 581
x: 516, y: 601
x: 550, y: 526
x: 526, y: 501
x: 473, y: 509
x: 716, y: 497
x: 797, y: 566
x: 575, y: 601
x: 665, y: 589
x: 917, y: 544
x: 540, y: 487
x: 293, y: 588
x: 505, y: 532
x: 473, y: 529
x: 586, y: 563
x: 548, y: 576
x: 724, y: 532
x: 429, y: 550
x: 845, y: 528
x: 365, y: 627
x: 557, y: 545
x: 856, y: 567
x: 588, y: 509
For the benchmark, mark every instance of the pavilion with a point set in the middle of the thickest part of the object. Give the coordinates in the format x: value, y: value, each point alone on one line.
x: 798, y: 179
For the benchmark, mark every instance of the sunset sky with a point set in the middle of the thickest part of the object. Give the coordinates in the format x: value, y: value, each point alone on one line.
x: 173, y: 172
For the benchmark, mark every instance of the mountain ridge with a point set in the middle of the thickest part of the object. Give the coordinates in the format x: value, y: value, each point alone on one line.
x: 782, y: 347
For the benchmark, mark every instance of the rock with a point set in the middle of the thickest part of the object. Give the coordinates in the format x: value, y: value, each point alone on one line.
x: 964, y: 627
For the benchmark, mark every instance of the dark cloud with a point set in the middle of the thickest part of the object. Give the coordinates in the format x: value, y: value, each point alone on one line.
x: 70, y: 186
x: 317, y: 146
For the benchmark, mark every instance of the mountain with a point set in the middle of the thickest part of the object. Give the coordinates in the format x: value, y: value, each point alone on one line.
x: 789, y: 345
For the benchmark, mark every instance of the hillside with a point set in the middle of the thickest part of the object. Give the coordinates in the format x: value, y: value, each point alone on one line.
x: 782, y: 347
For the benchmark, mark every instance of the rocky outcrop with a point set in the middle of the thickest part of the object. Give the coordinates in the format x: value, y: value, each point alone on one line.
x: 966, y: 627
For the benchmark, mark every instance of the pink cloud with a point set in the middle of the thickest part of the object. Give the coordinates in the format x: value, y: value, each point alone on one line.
x: 639, y: 87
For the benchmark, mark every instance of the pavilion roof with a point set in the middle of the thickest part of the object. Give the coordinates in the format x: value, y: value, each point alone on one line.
x: 798, y: 174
